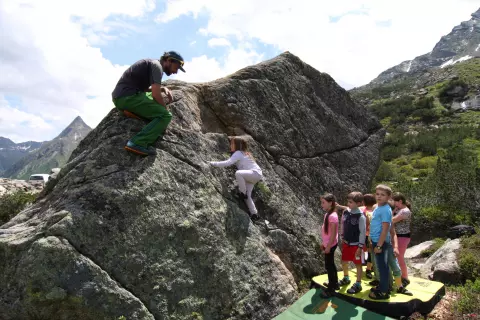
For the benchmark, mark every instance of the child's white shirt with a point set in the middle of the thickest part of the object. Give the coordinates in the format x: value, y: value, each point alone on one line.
x: 241, y: 160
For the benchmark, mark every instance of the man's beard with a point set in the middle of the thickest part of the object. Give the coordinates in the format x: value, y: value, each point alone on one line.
x: 167, y: 71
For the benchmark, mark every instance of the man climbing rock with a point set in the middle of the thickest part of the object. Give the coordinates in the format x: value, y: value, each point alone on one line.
x: 133, y: 96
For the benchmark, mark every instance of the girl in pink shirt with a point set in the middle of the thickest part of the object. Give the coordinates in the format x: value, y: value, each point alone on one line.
x: 329, y: 242
x: 401, y: 221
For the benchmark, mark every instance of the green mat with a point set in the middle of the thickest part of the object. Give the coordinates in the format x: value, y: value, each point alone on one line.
x: 312, y: 306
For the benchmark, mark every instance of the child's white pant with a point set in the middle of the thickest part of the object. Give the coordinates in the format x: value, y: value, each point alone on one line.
x: 246, y: 179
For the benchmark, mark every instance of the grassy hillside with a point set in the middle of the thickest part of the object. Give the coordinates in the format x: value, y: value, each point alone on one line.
x: 431, y: 151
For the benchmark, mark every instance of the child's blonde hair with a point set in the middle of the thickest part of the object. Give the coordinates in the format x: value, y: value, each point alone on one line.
x: 385, y: 188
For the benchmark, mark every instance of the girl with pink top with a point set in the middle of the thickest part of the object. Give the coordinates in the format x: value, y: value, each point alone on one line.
x: 402, y: 219
x: 329, y: 242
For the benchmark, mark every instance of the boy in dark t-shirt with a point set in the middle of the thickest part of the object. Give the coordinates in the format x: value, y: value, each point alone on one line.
x: 133, y: 96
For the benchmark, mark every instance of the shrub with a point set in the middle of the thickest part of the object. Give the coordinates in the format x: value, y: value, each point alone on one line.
x: 438, y: 243
x: 469, y: 300
x: 11, y: 204
x: 385, y: 172
x: 469, y: 257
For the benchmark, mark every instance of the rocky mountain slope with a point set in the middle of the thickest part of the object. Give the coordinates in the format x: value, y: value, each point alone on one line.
x: 462, y: 43
x: 432, y: 149
x: 164, y: 237
x: 11, y: 152
x: 50, y: 154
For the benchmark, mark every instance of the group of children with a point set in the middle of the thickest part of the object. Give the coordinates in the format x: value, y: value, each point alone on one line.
x: 377, y: 224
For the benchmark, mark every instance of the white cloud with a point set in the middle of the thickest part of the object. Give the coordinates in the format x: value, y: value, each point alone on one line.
x: 48, y: 62
x: 368, y: 36
x: 13, y: 123
x: 202, y: 68
x: 218, y: 42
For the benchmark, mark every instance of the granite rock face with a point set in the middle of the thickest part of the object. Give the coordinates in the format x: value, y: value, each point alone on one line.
x: 164, y: 237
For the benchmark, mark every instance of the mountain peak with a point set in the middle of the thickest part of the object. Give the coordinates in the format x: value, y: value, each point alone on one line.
x: 460, y: 44
x: 78, y: 121
x: 5, y: 142
x: 476, y: 14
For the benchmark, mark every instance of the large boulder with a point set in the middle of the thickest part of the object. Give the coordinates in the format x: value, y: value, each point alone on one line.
x: 162, y: 237
x: 416, y: 251
x: 442, y: 265
x: 460, y: 231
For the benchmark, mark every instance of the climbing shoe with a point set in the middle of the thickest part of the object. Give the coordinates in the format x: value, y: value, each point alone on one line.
x: 368, y: 274
x: 404, y: 291
x: 130, y: 114
x: 254, y: 217
x: 374, y: 283
x: 378, y: 295
x: 327, y: 294
x: 337, y: 287
x: 356, y: 288
x: 132, y: 147
x: 344, y: 282
x: 405, y: 282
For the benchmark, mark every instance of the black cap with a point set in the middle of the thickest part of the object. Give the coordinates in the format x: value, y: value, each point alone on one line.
x: 175, y: 56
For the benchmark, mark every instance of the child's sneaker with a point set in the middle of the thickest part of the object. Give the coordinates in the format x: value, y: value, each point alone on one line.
x: 345, y: 281
x: 368, y: 274
x: 135, y: 148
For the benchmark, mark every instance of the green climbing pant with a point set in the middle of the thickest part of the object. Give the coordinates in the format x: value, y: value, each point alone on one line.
x: 142, y: 104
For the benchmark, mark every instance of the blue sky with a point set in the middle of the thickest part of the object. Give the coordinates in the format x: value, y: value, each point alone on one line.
x: 65, y: 57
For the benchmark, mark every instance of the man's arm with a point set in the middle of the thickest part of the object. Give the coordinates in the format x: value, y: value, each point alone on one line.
x: 157, y: 93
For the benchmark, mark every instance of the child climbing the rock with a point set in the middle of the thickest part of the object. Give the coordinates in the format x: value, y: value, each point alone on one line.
x: 248, y: 173
x: 353, y: 235
x: 329, y: 242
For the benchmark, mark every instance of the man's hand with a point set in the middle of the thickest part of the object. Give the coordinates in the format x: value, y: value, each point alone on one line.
x: 322, y: 247
x: 168, y: 93
x: 377, y: 250
x: 327, y: 250
x: 396, y: 252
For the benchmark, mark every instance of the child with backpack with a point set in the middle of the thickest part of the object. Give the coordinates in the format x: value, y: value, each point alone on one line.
x: 353, y: 235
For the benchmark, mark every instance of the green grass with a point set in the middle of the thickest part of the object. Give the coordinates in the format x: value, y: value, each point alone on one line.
x: 438, y: 243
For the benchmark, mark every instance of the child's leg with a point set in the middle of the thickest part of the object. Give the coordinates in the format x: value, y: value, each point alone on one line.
x: 359, y: 272
x: 244, y: 176
x: 402, y: 247
x: 331, y: 269
x: 381, y: 260
x: 249, y: 201
x: 240, y: 176
x: 345, y: 258
x: 345, y: 268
